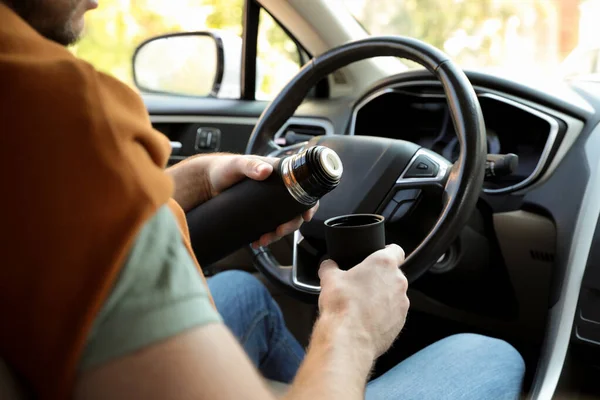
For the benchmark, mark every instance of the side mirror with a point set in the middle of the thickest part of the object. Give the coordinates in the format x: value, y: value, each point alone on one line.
x: 190, y: 63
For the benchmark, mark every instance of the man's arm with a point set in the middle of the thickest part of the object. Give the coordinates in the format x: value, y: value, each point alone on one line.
x: 203, y: 363
x: 200, y: 178
x: 336, y: 365
x: 192, y: 183
x: 208, y: 363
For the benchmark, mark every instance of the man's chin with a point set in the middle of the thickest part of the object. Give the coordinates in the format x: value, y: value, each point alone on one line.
x: 76, y: 29
x: 70, y: 35
x: 64, y: 37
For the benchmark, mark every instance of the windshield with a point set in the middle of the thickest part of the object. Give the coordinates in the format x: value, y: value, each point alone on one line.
x: 520, y: 38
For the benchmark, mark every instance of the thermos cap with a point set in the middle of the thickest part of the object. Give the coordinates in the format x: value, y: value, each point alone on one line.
x: 331, y: 163
x: 312, y: 173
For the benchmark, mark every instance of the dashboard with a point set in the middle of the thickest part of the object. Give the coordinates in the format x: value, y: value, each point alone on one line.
x: 543, y: 218
x: 418, y: 112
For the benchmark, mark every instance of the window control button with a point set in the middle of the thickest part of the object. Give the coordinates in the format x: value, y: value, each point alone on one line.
x: 207, y: 138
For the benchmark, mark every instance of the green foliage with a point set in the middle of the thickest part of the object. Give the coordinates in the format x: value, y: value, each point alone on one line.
x: 433, y: 21
x: 471, y: 31
x: 278, y: 58
x: 119, y: 26
x: 480, y: 24
x: 114, y: 31
x: 226, y: 14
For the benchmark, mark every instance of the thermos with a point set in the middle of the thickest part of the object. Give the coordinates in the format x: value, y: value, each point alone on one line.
x: 243, y: 213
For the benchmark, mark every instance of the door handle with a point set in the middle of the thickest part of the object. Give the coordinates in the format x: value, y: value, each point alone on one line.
x: 175, y: 147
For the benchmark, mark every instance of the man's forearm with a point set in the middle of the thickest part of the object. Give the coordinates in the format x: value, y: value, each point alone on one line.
x: 337, y: 364
x: 192, y: 186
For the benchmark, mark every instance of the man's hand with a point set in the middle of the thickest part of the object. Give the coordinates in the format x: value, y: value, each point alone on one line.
x: 362, y: 313
x: 199, y: 179
x: 370, y: 299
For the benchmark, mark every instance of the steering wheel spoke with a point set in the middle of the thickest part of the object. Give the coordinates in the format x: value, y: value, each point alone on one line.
x: 267, y: 148
x: 451, y: 185
x: 308, y: 284
x: 425, y: 175
x: 280, y: 151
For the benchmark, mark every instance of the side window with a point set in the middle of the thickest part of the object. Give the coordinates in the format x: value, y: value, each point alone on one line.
x: 117, y: 27
x: 278, y: 58
x: 114, y: 30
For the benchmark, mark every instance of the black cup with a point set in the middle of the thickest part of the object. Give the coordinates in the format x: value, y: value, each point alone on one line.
x: 352, y: 238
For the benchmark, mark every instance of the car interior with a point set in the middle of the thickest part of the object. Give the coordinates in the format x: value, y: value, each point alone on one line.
x: 510, y: 250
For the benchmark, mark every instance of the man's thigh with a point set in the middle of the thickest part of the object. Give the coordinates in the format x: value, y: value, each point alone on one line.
x: 250, y: 312
x: 464, y: 366
x: 241, y: 300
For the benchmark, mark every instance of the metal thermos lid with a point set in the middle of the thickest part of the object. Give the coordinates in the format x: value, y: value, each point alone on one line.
x: 312, y: 173
x: 331, y: 163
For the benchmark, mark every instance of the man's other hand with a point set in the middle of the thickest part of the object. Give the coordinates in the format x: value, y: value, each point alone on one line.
x: 369, y: 299
x: 201, y: 178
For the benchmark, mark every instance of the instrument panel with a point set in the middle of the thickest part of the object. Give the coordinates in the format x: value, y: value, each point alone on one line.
x: 419, y: 113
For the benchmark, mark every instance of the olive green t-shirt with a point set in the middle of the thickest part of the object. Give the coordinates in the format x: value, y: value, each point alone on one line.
x: 158, y: 294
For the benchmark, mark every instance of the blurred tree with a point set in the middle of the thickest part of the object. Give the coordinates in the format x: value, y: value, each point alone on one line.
x: 433, y: 21
x: 277, y: 55
x: 226, y: 14
x: 119, y: 26
x: 115, y: 29
x: 467, y: 29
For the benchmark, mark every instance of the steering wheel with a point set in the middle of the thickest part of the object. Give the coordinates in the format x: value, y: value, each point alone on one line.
x: 426, y: 200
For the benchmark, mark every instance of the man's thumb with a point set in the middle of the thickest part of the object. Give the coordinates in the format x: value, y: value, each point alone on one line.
x: 257, y: 169
x: 327, y: 267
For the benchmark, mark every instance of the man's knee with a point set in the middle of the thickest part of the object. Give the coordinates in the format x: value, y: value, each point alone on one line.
x: 237, y: 278
x: 494, y: 351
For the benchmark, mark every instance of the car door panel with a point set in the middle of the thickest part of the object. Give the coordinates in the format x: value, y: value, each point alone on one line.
x: 159, y: 104
x: 190, y: 136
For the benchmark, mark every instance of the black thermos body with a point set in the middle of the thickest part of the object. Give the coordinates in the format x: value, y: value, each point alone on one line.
x: 247, y: 210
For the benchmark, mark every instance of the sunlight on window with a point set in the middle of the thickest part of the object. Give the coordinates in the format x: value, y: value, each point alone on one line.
x: 278, y: 59
x: 114, y: 30
x: 520, y: 38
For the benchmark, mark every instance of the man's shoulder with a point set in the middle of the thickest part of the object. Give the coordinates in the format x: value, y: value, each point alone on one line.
x: 59, y: 75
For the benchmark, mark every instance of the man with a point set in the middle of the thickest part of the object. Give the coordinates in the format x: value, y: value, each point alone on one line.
x: 100, y: 293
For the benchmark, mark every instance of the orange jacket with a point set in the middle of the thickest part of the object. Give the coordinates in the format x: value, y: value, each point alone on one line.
x: 82, y: 170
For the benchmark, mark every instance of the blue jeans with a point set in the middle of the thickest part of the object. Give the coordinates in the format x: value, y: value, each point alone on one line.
x: 464, y: 366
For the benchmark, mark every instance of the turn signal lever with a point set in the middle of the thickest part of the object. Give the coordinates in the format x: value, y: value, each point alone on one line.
x: 499, y: 165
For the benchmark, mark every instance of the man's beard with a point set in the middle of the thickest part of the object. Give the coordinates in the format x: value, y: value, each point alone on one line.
x: 52, y: 26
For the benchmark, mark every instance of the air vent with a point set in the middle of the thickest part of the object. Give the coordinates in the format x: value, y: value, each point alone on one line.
x: 339, y: 78
x: 541, y: 256
x: 434, y: 90
x: 297, y: 133
x: 310, y: 130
